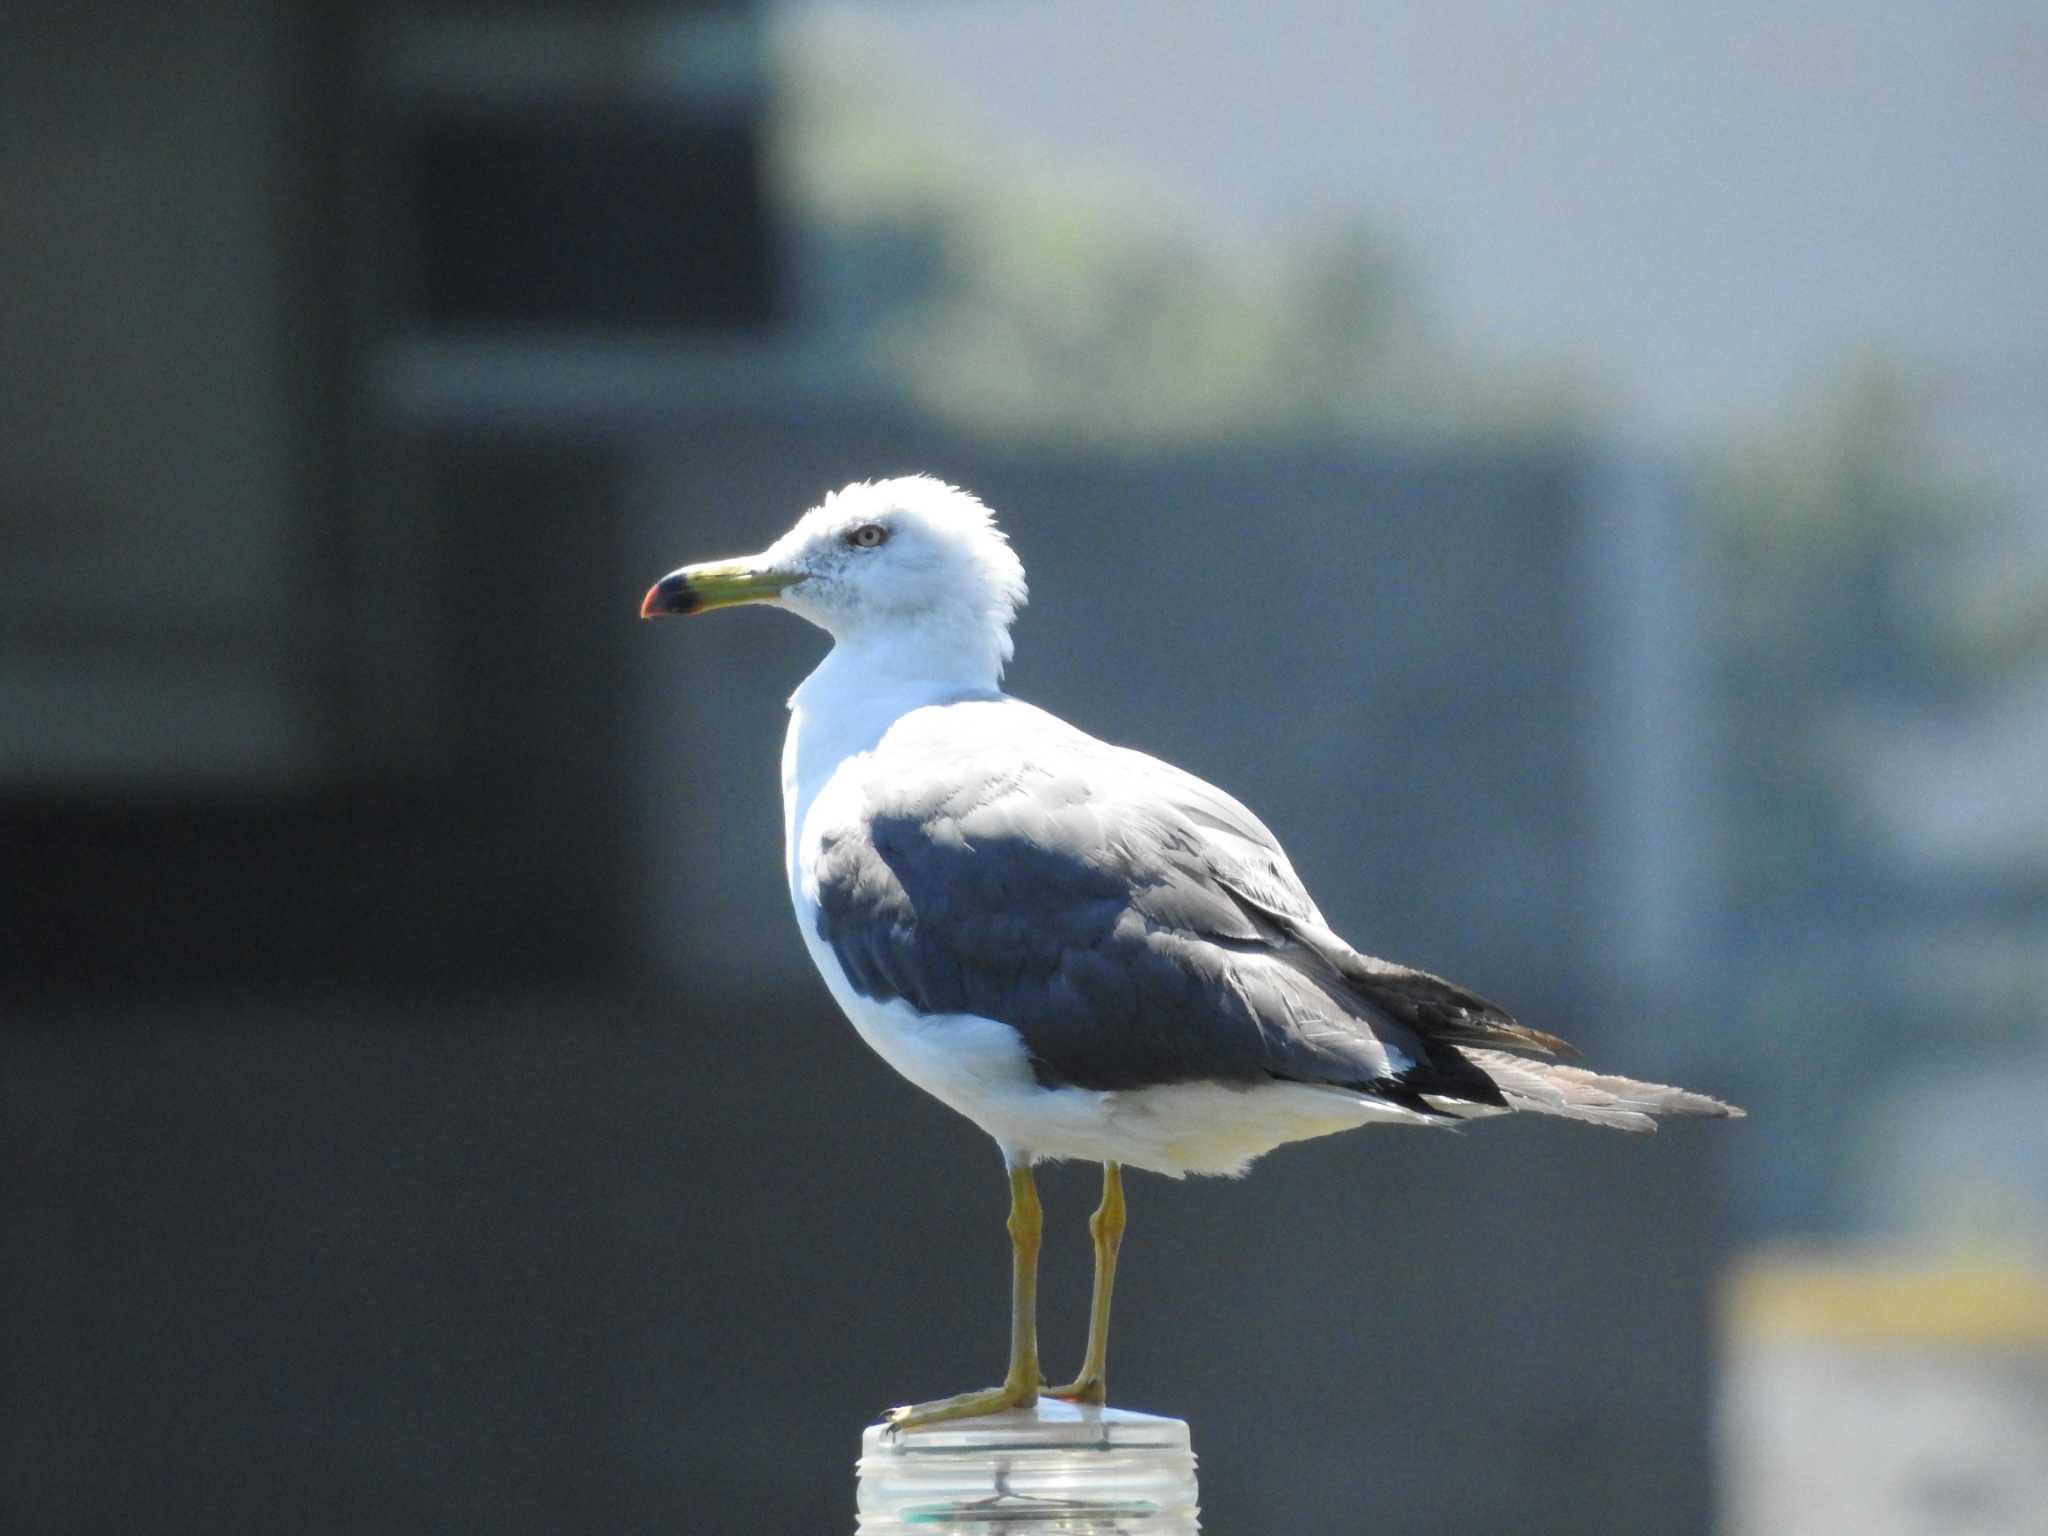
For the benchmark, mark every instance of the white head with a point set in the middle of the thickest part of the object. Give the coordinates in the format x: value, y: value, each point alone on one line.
x: 912, y: 568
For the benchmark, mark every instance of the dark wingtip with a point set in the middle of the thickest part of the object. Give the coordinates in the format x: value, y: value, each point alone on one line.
x: 671, y: 594
x: 1555, y: 1045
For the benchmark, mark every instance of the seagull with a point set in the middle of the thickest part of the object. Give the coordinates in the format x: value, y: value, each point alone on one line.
x: 1089, y: 953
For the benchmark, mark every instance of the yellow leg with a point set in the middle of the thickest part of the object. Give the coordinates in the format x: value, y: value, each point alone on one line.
x: 1106, y: 1226
x: 1020, y: 1384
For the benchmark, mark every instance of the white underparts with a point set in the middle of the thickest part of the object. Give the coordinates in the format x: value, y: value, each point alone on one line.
x: 980, y: 1068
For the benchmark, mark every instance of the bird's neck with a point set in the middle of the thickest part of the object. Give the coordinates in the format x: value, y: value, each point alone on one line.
x: 938, y: 657
x: 862, y: 688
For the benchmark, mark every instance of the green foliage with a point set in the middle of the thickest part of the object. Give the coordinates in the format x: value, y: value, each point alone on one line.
x: 1860, y: 583
x: 1872, y: 604
x: 1042, y: 296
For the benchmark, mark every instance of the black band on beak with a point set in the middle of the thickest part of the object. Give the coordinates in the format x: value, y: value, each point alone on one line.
x: 671, y: 594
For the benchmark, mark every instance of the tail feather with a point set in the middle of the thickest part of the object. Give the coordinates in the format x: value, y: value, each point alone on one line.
x: 1573, y: 1093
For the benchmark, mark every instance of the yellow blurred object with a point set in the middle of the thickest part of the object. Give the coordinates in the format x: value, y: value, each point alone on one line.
x: 1886, y: 1301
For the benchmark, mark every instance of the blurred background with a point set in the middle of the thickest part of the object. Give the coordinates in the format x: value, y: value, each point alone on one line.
x: 1581, y: 475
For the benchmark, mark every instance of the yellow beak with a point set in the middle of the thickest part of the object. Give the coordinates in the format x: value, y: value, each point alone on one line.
x: 715, y: 584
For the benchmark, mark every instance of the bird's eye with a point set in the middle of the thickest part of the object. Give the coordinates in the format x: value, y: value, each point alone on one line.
x: 867, y: 536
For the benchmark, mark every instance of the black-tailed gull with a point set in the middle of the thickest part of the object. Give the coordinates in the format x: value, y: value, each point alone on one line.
x: 1086, y: 951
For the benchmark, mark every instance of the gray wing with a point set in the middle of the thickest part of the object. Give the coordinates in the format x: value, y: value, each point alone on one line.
x: 1135, y: 925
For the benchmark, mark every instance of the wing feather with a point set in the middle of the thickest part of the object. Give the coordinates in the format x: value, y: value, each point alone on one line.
x: 1134, y: 924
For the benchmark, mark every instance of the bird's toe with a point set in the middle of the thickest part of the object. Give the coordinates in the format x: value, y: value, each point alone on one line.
x: 967, y: 1405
